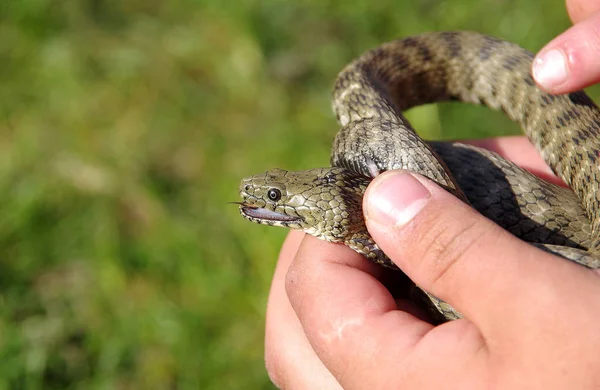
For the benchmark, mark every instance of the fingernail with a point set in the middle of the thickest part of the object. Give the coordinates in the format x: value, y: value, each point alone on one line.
x: 396, y: 199
x: 550, y: 69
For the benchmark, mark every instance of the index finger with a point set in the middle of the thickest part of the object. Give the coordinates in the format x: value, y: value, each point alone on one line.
x: 350, y: 318
x: 569, y: 62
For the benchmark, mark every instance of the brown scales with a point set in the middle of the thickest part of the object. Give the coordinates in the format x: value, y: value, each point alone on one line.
x: 368, y: 98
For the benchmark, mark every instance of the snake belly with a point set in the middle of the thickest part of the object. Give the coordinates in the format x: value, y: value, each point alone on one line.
x: 368, y: 99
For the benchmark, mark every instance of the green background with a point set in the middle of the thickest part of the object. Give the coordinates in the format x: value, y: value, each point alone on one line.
x: 125, y: 127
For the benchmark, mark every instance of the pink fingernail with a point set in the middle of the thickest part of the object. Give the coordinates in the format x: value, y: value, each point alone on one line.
x: 396, y: 199
x: 550, y: 69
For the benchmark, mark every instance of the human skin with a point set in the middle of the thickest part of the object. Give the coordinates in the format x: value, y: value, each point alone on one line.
x: 532, y: 317
x: 578, y: 48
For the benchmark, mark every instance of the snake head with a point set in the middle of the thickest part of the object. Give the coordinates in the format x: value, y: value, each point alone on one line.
x: 324, y: 202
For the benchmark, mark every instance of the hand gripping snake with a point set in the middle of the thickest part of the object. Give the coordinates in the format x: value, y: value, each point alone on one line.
x: 368, y: 99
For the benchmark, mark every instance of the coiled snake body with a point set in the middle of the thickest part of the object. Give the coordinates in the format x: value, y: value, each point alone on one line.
x: 368, y: 99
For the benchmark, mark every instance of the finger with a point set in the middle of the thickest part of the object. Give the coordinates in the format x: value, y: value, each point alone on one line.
x: 290, y: 360
x: 352, y: 322
x: 582, y: 9
x: 450, y: 250
x: 570, y: 61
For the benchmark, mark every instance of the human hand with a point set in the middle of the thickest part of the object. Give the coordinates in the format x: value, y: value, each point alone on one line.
x: 532, y: 317
x: 570, y: 61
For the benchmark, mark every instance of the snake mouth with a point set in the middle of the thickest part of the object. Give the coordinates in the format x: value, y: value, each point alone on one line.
x: 262, y: 214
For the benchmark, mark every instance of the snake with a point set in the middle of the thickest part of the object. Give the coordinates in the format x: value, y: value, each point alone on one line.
x: 369, y: 97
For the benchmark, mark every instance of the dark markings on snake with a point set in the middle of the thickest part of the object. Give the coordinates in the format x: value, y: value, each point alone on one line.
x: 329, y: 178
x: 581, y: 99
x: 400, y: 60
x: 510, y: 62
x: 529, y: 80
x: 423, y: 50
x: 566, y: 131
x: 453, y: 43
x: 420, y: 78
x: 409, y: 42
x: 568, y: 116
x: 488, y: 48
x: 547, y: 99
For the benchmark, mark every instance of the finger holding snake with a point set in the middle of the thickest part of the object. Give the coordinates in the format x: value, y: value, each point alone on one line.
x: 369, y: 97
x: 522, y: 332
x: 573, y: 299
x: 570, y: 61
x: 325, y: 293
x: 286, y: 343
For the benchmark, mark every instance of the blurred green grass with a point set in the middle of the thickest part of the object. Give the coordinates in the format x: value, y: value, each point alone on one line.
x: 125, y: 126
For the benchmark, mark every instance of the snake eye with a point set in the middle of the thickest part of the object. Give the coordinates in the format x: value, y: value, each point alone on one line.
x: 274, y: 194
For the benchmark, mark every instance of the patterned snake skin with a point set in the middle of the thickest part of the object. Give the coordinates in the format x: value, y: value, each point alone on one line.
x: 368, y: 98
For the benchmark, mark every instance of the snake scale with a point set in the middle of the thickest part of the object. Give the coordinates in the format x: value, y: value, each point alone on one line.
x: 368, y: 99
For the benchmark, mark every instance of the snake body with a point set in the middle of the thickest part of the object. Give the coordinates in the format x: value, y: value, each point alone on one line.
x: 368, y: 99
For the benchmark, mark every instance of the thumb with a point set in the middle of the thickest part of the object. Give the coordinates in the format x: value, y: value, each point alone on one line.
x: 453, y: 252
